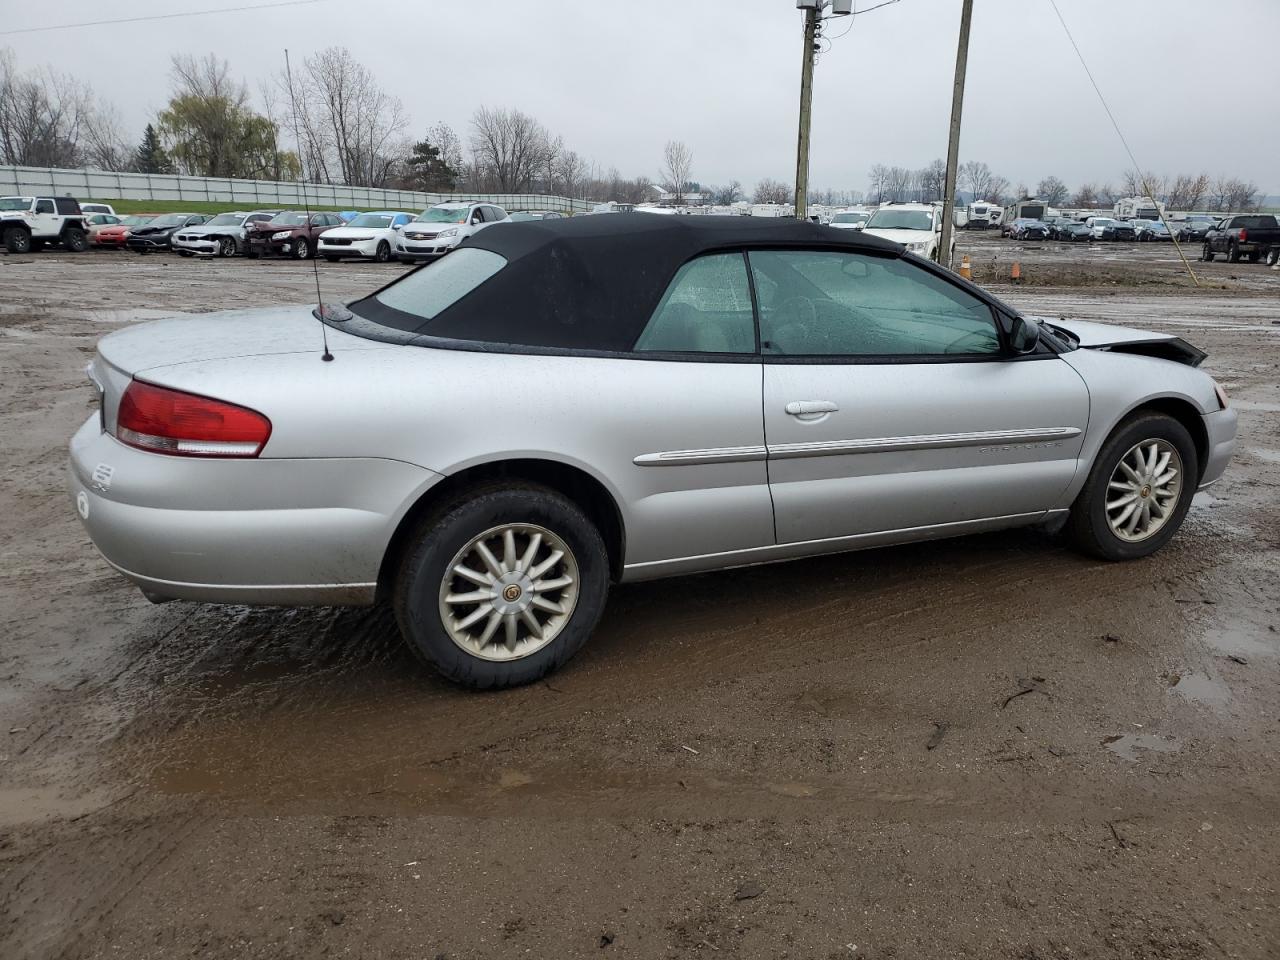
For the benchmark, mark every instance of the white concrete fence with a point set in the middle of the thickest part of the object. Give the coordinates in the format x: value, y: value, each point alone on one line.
x: 101, y: 185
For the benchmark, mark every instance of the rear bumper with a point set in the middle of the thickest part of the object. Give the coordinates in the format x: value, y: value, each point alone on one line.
x: 1220, y: 429
x: 293, y: 532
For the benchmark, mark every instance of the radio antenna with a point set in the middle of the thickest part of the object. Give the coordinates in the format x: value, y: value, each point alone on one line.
x: 315, y: 260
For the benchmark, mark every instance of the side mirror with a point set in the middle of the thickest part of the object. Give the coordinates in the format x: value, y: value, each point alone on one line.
x: 1024, y: 335
x: 397, y: 226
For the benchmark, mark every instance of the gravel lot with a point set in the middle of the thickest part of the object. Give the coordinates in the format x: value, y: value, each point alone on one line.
x: 982, y: 748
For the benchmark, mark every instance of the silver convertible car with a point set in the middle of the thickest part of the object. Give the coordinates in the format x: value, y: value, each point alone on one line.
x: 491, y: 440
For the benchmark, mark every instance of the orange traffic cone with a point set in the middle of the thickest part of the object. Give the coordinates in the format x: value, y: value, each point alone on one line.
x: 965, y: 270
x: 1016, y: 273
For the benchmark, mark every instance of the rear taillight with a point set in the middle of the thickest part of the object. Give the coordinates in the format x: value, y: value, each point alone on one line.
x: 188, y: 425
x: 1244, y: 234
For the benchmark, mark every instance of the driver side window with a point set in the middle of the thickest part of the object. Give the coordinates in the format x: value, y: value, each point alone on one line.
x: 828, y: 303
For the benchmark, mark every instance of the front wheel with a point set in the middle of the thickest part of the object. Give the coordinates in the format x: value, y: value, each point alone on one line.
x: 226, y: 247
x: 17, y: 240
x: 1138, y: 491
x: 500, y: 589
x: 1207, y: 254
x: 301, y: 249
x: 383, y: 253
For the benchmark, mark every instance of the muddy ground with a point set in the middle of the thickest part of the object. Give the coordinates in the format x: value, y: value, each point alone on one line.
x: 982, y: 748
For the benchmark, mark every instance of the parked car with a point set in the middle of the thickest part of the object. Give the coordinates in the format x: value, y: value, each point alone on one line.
x: 1146, y: 231
x: 157, y: 233
x: 917, y: 226
x: 633, y: 357
x: 850, y: 219
x: 524, y: 216
x: 1117, y: 230
x: 1248, y: 235
x: 439, y: 229
x: 94, y: 222
x: 95, y: 207
x: 117, y: 235
x: 1026, y: 229
x: 1072, y: 231
x: 293, y: 233
x: 29, y: 224
x: 1193, y: 229
x: 224, y: 235
x: 1097, y: 225
x: 368, y: 235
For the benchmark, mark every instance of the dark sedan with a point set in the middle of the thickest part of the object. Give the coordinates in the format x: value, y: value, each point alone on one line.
x: 290, y: 234
x: 1071, y: 231
x: 157, y: 233
x: 1194, y: 229
x: 1027, y: 229
x: 1119, y: 230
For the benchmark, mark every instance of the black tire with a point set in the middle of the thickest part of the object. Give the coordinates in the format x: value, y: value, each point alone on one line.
x: 301, y: 249
x: 333, y: 259
x: 1087, y: 528
x: 17, y: 240
x: 73, y: 239
x: 445, y: 532
x: 1273, y: 256
x: 1233, y: 254
x: 383, y: 253
x: 227, y: 247
x: 1207, y: 253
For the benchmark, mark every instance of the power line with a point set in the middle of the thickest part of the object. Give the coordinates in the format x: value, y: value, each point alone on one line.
x: 160, y: 16
x: 885, y: 3
x: 1138, y: 168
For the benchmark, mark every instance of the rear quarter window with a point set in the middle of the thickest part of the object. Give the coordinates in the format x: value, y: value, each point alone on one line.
x: 428, y: 291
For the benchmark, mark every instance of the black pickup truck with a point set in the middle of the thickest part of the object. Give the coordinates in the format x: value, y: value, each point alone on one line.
x: 1248, y: 235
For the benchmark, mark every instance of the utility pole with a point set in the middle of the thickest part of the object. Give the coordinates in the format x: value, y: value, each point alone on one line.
x: 806, y: 108
x: 953, y: 141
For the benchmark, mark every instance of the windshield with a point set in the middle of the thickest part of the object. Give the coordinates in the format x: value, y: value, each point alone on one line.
x: 373, y: 220
x: 442, y: 215
x: 226, y: 220
x: 423, y: 294
x: 291, y: 218
x: 901, y: 220
x: 136, y: 220
x: 15, y: 203
x: 1102, y: 222
x: 850, y: 218
x: 169, y: 220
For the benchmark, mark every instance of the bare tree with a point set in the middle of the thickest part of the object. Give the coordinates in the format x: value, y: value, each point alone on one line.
x: 879, y: 182
x: 1052, y: 191
x: 728, y: 194
x: 933, y: 181
x: 507, y: 148
x: 1086, y: 196
x: 1136, y: 183
x: 998, y: 190
x: 571, y: 172
x: 975, y: 177
x: 677, y: 160
x: 769, y: 190
x: 351, y: 130
x: 42, y: 116
x: 1187, y: 191
x: 1231, y: 194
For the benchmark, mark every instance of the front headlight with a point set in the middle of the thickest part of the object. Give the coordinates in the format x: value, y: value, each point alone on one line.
x: 451, y: 232
x: 281, y: 235
x: 916, y: 247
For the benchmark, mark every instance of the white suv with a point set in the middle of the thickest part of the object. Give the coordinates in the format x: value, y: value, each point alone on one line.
x: 917, y: 226
x: 371, y: 236
x: 439, y: 229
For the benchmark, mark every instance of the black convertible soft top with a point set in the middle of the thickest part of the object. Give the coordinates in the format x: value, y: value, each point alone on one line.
x: 592, y: 282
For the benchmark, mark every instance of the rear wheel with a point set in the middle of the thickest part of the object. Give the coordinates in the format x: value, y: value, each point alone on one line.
x: 17, y: 240
x: 73, y: 239
x: 1273, y: 256
x: 502, y: 588
x: 1138, y: 491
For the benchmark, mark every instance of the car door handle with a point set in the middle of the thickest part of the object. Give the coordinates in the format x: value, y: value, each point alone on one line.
x: 810, y: 408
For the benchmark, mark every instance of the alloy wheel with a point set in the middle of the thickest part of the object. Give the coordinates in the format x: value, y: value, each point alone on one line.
x: 1144, y: 489
x: 509, y: 591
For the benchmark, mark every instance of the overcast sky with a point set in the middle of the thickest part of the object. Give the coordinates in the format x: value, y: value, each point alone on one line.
x: 617, y: 78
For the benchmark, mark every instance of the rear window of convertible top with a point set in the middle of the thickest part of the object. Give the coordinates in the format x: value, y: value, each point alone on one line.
x: 425, y: 293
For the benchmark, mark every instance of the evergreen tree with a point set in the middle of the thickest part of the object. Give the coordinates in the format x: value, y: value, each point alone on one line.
x: 151, y: 156
x: 429, y: 170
